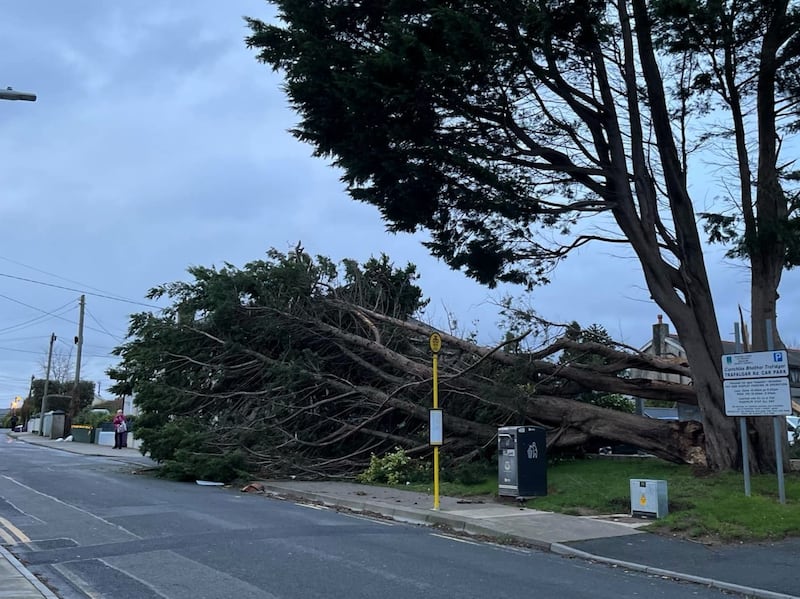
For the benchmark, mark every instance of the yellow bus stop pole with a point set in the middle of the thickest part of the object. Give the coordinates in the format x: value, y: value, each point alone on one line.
x: 435, y: 447
x: 436, y: 345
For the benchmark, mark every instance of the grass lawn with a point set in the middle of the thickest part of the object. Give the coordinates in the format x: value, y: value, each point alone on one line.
x: 701, y: 506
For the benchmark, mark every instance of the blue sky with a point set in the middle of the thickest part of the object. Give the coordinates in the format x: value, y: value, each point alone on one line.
x: 158, y: 142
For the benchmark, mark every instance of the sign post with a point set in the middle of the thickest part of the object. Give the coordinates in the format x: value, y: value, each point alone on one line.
x: 436, y: 420
x: 757, y: 384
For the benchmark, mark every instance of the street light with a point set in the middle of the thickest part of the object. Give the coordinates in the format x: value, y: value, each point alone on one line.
x: 12, y: 94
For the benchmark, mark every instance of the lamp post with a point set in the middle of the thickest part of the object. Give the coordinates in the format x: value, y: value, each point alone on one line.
x: 12, y: 94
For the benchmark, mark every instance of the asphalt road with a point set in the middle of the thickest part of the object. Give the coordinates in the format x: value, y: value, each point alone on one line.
x: 99, y: 530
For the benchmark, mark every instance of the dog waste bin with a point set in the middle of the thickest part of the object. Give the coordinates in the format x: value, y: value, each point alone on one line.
x: 522, y: 454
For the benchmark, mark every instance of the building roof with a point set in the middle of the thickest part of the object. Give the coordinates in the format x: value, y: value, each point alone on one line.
x: 728, y: 347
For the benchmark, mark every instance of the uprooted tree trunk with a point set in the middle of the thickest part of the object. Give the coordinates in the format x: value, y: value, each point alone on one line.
x: 573, y: 424
x: 580, y: 425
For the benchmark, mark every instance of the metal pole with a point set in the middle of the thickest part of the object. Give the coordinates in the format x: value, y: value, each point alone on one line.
x: 46, y: 384
x: 776, y: 430
x: 743, y: 427
x: 436, y: 447
x: 776, y: 427
x: 435, y: 344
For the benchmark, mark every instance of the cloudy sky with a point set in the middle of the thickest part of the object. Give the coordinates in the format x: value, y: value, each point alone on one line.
x: 158, y: 142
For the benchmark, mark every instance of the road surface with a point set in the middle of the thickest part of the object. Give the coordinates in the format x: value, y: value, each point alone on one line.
x: 93, y: 527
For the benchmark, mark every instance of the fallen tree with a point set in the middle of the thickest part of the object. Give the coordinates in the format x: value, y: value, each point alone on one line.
x: 281, y: 368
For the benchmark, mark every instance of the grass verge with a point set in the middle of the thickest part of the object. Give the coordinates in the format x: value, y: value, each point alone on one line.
x: 708, y: 507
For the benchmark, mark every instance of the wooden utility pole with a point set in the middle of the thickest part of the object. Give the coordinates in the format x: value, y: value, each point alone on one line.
x: 75, y: 403
x: 46, y: 383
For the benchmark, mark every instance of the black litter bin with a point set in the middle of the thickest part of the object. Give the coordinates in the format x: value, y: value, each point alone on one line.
x: 522, y: 456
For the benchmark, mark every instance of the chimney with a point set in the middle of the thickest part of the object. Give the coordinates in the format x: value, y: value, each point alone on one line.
x: 660, y: 332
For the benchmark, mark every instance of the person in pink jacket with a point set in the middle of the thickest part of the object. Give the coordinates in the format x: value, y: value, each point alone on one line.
x: 120, y: 431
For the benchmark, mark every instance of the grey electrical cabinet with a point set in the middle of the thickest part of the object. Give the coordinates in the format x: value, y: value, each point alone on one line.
x: 649, y: 498
x: 522, y: 461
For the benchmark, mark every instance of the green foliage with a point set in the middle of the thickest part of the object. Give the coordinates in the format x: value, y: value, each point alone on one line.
x: 610, y: 401
x: 93, y: 419
x: 378, y: 285
x: 238, y: 349
x: 428, y: 109
x: 392, y: 468
x: 187, y: 465
x: 417, y: 120
x: 595, y: 333
x: 470, y: 473
x: 794, y: 450
x: 165, y: 442
x: 58, y: 402
x: 34, y: 403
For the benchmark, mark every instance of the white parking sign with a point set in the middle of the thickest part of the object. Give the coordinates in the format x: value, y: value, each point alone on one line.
x: 755, y: 365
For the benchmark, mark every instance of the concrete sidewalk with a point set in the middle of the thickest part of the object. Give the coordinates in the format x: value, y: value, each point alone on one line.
x: 125, y: 454
x: 16, y: 582
x: 488, y: 518
x: 768, y: 570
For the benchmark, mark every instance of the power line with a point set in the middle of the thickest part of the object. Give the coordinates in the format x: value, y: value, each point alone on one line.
x: 66, y: 307
x: 46, y: 313
x: 21, y: 303
x: 40, y: 318
x: 37, y: 319
x: 100, y: 324
x: 95, y: 347
x: 110, y: 297
x: 22, y: 351
x: 62, y: 278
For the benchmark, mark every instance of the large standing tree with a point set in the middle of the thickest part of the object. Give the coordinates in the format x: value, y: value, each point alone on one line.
x: 492, y: 123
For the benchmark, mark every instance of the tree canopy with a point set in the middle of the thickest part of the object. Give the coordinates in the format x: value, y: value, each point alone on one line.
x: 500, y: 126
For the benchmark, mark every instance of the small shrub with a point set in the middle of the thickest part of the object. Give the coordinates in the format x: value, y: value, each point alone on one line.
x: 187, y: 466
x: 421, y: 471
x: 393, y: 468
x: 90, y: 418
x: 794, y: 451
x: 474, y: 473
